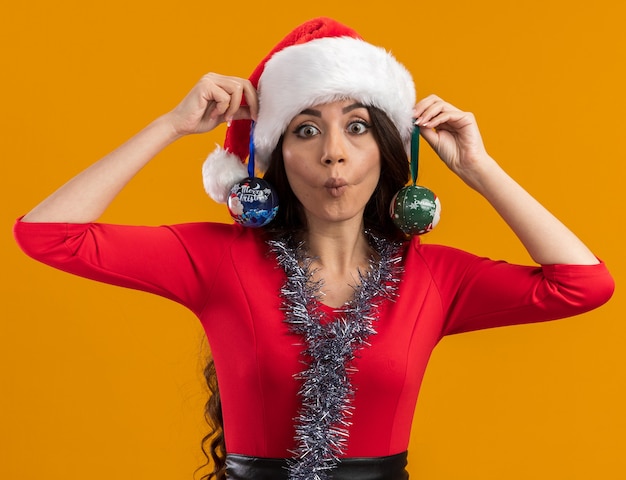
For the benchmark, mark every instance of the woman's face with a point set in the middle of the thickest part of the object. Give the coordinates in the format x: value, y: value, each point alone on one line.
x: 332, y: 160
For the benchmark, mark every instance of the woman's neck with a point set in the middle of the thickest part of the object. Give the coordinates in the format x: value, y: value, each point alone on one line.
x: 339, y: 254
x: 338, y: 246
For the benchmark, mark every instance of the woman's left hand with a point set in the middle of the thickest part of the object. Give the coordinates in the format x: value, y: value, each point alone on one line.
x: 453, y: 134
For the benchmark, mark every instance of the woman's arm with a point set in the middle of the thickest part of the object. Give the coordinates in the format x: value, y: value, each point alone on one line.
x: 454, y: 135
x: 213, y: 100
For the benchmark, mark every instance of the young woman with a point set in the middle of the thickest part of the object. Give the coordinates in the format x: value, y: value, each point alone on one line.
x: 320, y: 323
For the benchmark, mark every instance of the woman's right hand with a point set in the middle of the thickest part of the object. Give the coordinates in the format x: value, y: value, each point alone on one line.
x: 213, y: 100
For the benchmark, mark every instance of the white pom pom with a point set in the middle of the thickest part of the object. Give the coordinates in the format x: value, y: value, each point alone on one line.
x: 220, y: 171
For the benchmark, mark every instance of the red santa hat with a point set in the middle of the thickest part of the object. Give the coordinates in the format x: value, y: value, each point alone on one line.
x: 320, y: 61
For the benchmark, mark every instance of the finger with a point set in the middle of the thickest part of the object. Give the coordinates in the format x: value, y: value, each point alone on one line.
x: 433, y: 107
x: 217, y: 92
x: 429, y: 113
x: 219, y: 107
x: 252, y: 99
x: 219, y: 101
x: 236, y: 94
x: 438, y: 114
x: 431, y: 136
x: 421, y: 106
x: 448, y: 119
x: 238, y: 89
x: 243, y: 113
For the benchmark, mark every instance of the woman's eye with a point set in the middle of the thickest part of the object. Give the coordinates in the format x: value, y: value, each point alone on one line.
x: 306, y: 131
x: 358, y: 128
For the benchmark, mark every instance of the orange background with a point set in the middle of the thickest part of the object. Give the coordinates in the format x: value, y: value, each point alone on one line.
x: 100, y: 382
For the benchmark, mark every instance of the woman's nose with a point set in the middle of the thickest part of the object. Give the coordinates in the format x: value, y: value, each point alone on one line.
x: 334, y: 147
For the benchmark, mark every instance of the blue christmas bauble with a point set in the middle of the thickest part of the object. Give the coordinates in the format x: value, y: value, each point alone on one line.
x: 415, y: 210
x: 252, y: 202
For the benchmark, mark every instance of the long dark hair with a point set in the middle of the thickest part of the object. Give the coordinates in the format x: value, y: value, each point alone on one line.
x: 291, y: 219
x: 213, y: 444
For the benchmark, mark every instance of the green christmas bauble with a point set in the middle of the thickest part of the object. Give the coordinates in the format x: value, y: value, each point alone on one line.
x: 415, y: 210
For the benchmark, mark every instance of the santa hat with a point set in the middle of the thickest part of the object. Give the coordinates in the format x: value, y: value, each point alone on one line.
x: 320, y: 61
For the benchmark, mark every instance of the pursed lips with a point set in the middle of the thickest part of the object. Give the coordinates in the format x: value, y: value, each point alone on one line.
x: 335, y: 186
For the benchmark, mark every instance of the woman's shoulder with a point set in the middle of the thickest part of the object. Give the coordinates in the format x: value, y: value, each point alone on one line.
x: 207, y: 228
x: 215, y: 232
x: 417, y: 248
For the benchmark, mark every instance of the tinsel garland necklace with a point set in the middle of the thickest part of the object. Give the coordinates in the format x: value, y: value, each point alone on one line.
x: 322, y: 423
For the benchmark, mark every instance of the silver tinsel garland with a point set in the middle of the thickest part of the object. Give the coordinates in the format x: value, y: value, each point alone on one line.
x: 322, y: 423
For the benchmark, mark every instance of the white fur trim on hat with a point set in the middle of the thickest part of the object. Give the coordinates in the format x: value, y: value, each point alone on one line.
x: 300, y: 76
x: 220, y: 171
x: 325, y: 70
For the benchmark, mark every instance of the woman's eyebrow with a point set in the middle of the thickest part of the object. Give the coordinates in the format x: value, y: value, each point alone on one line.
x: 310, y: 111
x: 317, y: 113
x: 354, y: 106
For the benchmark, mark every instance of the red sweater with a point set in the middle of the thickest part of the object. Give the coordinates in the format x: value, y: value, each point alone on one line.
x: 226, y: 275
